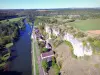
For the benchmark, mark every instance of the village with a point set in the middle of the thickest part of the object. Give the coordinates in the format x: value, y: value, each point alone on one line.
x: 46, y: 58
x: 65, y: 46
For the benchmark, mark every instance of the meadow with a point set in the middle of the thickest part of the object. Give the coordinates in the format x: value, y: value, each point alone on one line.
x: 85, y: 25
x: 13, y: 19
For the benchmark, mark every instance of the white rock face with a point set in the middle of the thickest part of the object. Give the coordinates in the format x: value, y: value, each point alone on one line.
x: 55, y: 32
x: 79, y: 49
x: 47, y: 46
x: 48, y: 30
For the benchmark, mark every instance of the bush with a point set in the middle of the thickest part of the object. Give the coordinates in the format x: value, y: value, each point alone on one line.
x: 57, y: 69
x: 41, y: 44
x: 95, y: 43
x: 44, y: 49
x: 45, y: 65
x: 84, y: 43
x: 80, y: 34
x: 57, y: 42
x: 53, y: 61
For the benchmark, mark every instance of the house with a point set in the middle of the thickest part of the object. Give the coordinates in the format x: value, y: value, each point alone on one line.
x: 36, y: 30
x: 47, y: 56
x: 48, y: 46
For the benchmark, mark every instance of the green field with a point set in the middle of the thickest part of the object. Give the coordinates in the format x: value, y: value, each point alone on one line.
x: 85, y: 25
x: 13, y: 19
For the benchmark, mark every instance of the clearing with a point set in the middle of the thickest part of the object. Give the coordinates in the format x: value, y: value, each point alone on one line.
x: 85, y: 25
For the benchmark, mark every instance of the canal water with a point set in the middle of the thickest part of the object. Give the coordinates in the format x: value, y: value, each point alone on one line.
x: 22, y: 61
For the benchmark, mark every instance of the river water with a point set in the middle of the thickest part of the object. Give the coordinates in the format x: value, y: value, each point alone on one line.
x: 22, y: 62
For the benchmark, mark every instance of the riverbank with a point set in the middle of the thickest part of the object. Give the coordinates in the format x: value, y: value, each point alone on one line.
x: 22, y: 60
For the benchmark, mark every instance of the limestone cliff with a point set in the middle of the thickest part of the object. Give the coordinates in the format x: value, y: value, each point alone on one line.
x: 78, y: 48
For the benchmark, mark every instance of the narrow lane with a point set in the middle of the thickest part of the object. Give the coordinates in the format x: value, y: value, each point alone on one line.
x: 33, y: 56
x: 41, y: 72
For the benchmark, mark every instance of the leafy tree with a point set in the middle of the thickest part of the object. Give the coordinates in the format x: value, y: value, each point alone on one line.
x: 57, y: 69
x: 44, y: 49
x: 53, y: 61
x: 45, y: 65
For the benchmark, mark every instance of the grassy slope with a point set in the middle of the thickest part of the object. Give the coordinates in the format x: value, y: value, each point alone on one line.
x: 92, y: 24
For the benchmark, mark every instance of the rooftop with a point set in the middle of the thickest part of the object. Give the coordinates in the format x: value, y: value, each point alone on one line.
x: 47, y: 54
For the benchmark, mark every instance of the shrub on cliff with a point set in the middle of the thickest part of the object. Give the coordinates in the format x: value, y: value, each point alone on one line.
x: 95, y: 43
x: 80, y: 35
x: 56, y: 69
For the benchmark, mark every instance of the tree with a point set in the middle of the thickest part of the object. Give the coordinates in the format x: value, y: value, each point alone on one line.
x: 45, y: 65
x: 53, y: 61
x: 57, y: 69
x: 44, y: 49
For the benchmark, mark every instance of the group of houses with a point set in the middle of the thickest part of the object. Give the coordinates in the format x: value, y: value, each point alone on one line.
x: 49, y: 53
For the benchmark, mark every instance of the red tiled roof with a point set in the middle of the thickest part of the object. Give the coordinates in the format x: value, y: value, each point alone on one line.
x: 47, y: 54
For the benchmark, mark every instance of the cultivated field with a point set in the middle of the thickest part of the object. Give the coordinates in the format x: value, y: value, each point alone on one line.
x: 94, y: 31
x: 85, y: 25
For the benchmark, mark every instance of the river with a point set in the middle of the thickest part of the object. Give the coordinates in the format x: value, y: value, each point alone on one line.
x: 22, y: 62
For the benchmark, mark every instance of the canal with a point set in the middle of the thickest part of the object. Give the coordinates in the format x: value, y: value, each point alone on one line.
x: 22, y: 61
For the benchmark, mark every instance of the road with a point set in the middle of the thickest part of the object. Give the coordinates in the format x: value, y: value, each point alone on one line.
x: 41, y: 71
x: 33, y: 59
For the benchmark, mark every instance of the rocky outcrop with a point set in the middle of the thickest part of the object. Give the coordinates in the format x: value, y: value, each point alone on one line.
x: 78, y: 48
x: 49, y: 31
x: 55, y: 31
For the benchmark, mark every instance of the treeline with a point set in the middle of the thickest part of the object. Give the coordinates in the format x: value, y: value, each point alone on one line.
x: 80, y: 14
x: 31, y: 13
x: 8, y: 14
x: 9, y: 31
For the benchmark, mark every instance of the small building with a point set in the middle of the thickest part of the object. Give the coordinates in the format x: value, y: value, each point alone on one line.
x: 48, y: 46
x: 47, y: 56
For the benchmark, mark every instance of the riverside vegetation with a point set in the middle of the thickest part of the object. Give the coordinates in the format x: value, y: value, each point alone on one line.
x: 9, y: 33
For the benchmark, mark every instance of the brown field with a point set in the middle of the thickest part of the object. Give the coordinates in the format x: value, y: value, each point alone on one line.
x: 94, y: 31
